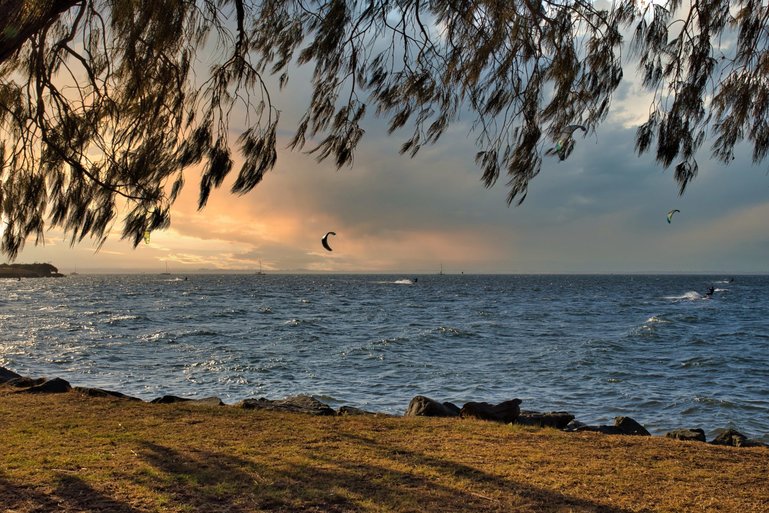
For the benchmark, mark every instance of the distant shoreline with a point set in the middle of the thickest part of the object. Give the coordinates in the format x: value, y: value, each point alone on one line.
x: 17, y: 271
x: 405, y: 273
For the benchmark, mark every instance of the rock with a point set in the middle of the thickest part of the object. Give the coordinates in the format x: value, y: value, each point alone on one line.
x: 296, y: 404
x: 172, y: 399
x: 452, y: 407
x: 575, y: 425
x: 629, y: 426
x: 25, y: 382
x: 687, y: 435
x: 98, y: 392
x: 206, y: 401
x: 7, y: 375
x: 506, y: 411
x: 50, y: 386
x: 606, y: 430
x: 351, y: 410
x: 421, y: 406
x: 169, y: 399
x: 556, y: 419
x: 734, y: 438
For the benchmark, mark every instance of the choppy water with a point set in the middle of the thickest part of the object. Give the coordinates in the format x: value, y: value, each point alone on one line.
x: 651, y: 347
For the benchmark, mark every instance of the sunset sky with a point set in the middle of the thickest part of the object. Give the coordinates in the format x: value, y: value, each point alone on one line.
x: 600, y: 211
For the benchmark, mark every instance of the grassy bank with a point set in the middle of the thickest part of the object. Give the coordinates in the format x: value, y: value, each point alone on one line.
x: 68, y: 452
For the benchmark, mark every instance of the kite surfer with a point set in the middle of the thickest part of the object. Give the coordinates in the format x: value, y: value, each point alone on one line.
x: 565, y: 143
x: 324, y: 241
x: 670, y: 214
x: 710, y: 292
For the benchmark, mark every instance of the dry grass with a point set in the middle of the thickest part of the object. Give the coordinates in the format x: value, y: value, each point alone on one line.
x: 70, y: 453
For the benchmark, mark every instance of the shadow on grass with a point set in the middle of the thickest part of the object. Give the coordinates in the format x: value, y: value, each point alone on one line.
x: 401, y: 481
x: 360, y: 474
x: 71, y: 494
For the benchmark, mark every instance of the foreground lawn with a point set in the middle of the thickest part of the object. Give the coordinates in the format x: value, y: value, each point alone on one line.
x: 71, y: 453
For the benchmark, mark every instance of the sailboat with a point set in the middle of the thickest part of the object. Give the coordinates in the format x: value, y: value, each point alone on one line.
x: 441, y: 272
x: 166, y: 273
x: 260, y: 267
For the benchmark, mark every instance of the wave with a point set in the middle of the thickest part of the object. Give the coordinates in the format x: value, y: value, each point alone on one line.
x: 231, y: 313
x: 300, y: 322
x: 120, y: 318
x: 688, y: 296
x: 456, y: 332
x: 698, y: 361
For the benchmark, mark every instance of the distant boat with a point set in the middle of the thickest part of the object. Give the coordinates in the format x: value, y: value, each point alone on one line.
x: 260, y: 267
x: 166, y: 273
x: 441, y: 271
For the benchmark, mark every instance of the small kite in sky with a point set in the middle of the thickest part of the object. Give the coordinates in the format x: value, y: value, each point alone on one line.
x: 670, y: 214
x: 324, y: 241
x: 565, y: 142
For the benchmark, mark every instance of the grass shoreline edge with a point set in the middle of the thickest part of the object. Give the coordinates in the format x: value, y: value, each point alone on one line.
x: 71, y: 452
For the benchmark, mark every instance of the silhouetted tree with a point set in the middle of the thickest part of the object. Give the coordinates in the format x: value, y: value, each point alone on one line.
x: 104, y: 101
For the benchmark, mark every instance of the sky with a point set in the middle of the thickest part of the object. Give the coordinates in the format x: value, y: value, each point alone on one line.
x: 603, y: 210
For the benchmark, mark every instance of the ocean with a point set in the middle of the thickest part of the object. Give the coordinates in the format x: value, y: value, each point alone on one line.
x: 654, y: 348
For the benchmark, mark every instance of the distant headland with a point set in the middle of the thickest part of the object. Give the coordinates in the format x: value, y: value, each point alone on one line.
x: 29, y: 271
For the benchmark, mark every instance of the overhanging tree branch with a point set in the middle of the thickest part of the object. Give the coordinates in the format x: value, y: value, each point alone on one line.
x: 137, y: 118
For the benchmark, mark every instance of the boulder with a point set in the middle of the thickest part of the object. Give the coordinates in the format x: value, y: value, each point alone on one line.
x: 172, y: 399
x: 25, y: 382
x: 296, y: 404
x: 7, y: 375
x: 687, y: 435
x: 556, y: 419
x: 734, y: 438
x: 622, y: 426
x: 169, y: 399
x: 629, y: 426
x: 351, y: 410
x: 506, y: 411
x: 98, y: 392
x: 575, y: 425
x: 421, y: 406
x: 606, y: 430
x: 452, y: 407
x: 50, y: 386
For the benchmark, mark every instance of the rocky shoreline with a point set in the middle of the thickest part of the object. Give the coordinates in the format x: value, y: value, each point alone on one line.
x: 507, y: 412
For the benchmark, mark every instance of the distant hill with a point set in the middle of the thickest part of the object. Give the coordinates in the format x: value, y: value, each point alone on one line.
x: 29, y: 271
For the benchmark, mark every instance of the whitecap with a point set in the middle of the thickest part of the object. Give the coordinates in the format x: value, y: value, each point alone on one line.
x: 689, y: 296
x: 116, y: 319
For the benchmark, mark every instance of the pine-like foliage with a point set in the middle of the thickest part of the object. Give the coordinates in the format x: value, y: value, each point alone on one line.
x: 103, y: 107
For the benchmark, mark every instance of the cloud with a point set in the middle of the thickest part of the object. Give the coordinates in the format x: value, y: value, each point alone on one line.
x: 601, y: 210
